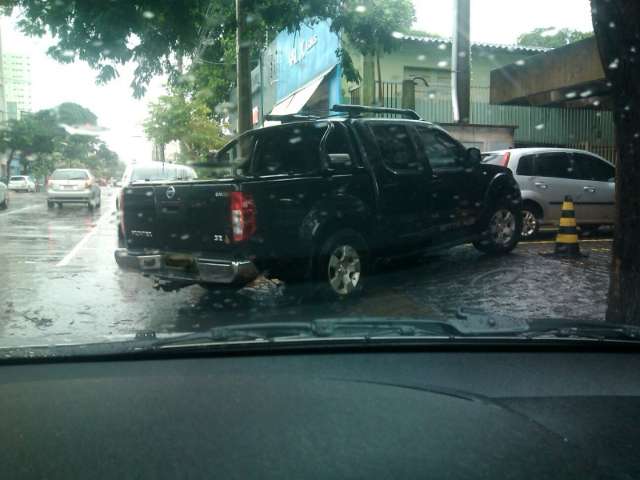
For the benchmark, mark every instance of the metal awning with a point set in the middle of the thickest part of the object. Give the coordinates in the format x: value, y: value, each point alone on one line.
x: 298, y: 99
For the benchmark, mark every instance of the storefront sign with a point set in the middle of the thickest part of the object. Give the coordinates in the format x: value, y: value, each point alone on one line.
x: 296, y: 55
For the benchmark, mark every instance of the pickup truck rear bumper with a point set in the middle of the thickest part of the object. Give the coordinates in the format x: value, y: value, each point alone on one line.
x: 187, y: 268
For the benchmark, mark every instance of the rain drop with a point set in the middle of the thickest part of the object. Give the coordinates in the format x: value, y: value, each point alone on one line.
x: 432, y: 96
x: 97, y: 43
x: 294, y: 140
x: 148, y: 14
x: 184, y: 237
x: 442, y: 46
x: 540, y: 126
x: 571, y: 94
x: 586, y: 93
x: 442, y: 63
x: 612, y: 24
x: 397, y: 35
x: 422, y: 58
x: 613, y: 65
x: 520, y: 62
x: 596, y: 103
x: 361, y: 9
x: 462, y: 54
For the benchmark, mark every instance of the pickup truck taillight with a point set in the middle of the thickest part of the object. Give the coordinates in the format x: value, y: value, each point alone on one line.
x: 243, y: 216
x: 121, y: 210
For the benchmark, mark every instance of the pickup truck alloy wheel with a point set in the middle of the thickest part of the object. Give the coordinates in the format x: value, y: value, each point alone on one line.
x: 502, y: 227
x: 344, y: 269
x: 529, y: 224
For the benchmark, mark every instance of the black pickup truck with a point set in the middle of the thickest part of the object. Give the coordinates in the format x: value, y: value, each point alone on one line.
x: 320, y: 199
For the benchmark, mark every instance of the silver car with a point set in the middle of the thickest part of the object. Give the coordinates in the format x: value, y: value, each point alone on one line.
x: 546, y: 175
x: 73, y: 185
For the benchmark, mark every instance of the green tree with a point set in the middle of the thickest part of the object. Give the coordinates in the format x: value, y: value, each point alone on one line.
x: 174, y: 118
x: 372, y: 27
x: 550, y: 37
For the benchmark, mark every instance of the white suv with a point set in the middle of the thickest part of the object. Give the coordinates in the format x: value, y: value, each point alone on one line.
x: 546, y: 175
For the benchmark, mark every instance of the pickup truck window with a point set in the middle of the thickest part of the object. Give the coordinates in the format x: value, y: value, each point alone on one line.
x: 234, y: 158
x: 396, y: 148
x: 440, y: 150
x: 291, y: 149
x: 338, y: 143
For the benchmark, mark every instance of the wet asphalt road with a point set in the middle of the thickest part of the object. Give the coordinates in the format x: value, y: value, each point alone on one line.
x: 58, y: 278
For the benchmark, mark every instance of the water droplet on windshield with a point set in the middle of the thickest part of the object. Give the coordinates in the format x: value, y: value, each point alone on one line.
x: 97, y: 43
x: 586, y: 93
x: 540, y: 126
x: 295, y: 140
x: 148, y: 14
x: 520, y: 62
x: 442, y: 63
x: 612, y: 24
x: 432, y: 96
x: 571, y: 94
x: 361, y: 9
x: 442, y: 46
x: 397, y: 35
x: 184, y: 237
x: 462, y: 54
x: 422, y: 58
x: 613, y: 65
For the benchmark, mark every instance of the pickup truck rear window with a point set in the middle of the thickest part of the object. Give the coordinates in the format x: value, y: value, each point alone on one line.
x: 293, y: 149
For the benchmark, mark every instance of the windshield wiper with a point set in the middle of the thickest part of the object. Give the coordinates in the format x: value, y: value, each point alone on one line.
x: 563, y: 329
x: 343, y: 328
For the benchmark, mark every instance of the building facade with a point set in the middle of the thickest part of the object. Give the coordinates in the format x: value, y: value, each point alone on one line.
x: 301, y: 72
x: 16, y: 71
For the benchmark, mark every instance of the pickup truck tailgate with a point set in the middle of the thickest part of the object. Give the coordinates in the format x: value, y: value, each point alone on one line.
x: 178, y: 217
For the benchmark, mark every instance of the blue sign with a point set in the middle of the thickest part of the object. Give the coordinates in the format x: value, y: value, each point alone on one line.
x: 305, y: 54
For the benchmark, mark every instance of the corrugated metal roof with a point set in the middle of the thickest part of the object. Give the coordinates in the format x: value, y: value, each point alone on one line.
x: 497, y: 46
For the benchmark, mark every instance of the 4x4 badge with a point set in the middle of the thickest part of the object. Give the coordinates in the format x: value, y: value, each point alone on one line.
x: 171, y: 192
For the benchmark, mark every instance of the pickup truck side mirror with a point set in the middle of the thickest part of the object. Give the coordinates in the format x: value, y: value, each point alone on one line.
x: 474, y: 157
x: 339, y: 161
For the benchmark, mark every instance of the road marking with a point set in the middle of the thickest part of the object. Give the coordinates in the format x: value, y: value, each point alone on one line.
x: 11, y: 212
x: 74, y: 251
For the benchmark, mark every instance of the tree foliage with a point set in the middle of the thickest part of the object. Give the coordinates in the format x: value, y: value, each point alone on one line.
x: 550, y: 37
x: 174, y: 118
x: 42, y: 144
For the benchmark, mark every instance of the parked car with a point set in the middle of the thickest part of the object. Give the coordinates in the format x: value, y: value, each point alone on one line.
x: 320, y: 200
x: 73, y: 185
x: 4, y: 196
x: 22, y: 183
x: 546, y: 175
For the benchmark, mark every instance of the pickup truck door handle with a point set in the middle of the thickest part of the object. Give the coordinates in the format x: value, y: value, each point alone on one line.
x: 589, y: 189
x: 541, y: 185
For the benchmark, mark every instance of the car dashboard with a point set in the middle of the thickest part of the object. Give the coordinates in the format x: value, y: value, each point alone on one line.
x: 355, y: 414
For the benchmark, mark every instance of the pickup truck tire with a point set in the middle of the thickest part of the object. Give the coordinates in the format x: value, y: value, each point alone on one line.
x: 502, y: 230
x: 341, y: 265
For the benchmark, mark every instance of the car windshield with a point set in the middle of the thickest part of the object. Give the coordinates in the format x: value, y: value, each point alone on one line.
x: 221, y: 168
x: 69, y: 175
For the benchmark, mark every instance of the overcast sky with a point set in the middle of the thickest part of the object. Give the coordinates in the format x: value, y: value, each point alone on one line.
x: 497, y: 21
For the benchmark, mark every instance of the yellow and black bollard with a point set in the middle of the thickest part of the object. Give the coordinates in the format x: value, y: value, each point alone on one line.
x: 567, y: 243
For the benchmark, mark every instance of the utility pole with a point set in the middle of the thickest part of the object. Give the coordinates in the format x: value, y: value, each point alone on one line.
x: 243, y: 74
x: 461, y: 63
